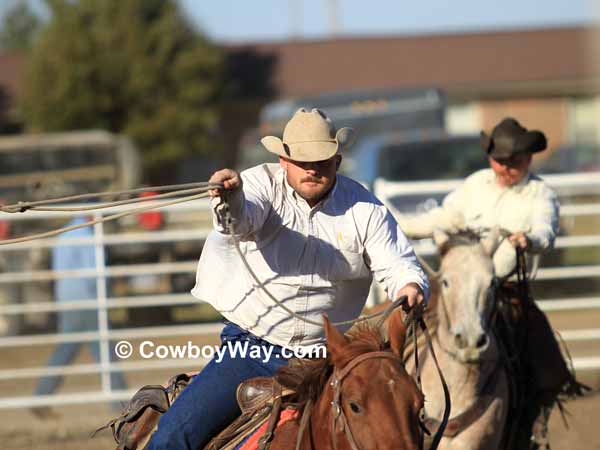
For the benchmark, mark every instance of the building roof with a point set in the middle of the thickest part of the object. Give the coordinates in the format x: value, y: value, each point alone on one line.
x: 539, y: 62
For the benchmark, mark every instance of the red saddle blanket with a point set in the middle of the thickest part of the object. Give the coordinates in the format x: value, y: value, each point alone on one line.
x: 251, y: 442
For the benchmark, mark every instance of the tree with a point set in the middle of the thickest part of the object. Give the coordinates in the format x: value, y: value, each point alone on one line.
x: 19, y: 27
x: 129, y: 66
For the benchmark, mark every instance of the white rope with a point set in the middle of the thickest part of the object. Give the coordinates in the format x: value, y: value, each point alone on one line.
x: 101, y: 220
x: 204, y: 187
x: 116, y: 203
x: 24, y: 206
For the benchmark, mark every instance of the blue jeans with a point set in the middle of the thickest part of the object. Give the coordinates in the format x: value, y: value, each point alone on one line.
x: 208, y: 404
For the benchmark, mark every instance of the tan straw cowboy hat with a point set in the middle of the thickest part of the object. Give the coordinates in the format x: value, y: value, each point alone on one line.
x: 309, y: 136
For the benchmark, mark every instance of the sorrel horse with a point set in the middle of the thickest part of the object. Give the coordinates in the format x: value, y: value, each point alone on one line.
x: 458, y: 316
x: 361, y: 396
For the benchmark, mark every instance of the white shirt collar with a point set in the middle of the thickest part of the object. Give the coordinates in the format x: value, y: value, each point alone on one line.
x: 518, y: 187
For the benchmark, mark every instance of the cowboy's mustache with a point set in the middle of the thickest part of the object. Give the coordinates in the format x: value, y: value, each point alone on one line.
x: 310, y: 179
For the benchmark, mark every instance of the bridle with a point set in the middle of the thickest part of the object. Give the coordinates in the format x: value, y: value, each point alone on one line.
x: 487, y: 318
x: 438, y: 275
x: 414, y: 318
x: 337, y: 378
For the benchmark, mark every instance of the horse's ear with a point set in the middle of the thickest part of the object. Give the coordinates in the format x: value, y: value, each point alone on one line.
x: 397, y: 332
x: 440, y: 238
x: 491, y: 242
x: 335, y: 340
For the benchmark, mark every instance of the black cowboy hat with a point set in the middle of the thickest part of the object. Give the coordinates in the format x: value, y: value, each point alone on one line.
x: 509, y: 138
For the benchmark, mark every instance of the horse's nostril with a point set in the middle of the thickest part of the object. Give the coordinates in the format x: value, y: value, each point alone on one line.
x: 482, y: 341
x: 460, y: 341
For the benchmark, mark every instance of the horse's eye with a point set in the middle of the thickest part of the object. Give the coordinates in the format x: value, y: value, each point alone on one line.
x: 445, y: 283
x: 354, y: 407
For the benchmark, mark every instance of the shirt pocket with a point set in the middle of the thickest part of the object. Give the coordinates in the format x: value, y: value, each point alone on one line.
x: 347, y: 265
x: 346, y: 237
x: 346, y: 261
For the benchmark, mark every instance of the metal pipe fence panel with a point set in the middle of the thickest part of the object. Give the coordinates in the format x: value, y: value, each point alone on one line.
x: 192, y: 228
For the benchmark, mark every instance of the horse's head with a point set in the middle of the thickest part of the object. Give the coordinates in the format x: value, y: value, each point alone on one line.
x: 464, y: 294
x: 375, y: 402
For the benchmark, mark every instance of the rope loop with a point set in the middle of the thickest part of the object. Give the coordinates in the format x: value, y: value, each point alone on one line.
x: 194, y: 191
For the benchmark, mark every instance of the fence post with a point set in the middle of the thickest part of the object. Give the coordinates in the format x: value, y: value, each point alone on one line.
x: 102, y: 305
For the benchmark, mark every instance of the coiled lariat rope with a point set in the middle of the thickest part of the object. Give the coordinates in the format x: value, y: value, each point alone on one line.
x: 199, y: 190
x: 194, y: 191
x: 24, y: 206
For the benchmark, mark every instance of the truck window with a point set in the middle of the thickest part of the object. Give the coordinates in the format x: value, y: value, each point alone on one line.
x: 369, y: 112
x: 432, y: 160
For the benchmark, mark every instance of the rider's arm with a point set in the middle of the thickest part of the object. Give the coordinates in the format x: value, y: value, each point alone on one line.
x: 249, y: 199
x: 390, y: 256
x: 544, y: 222
x: 447, y: 217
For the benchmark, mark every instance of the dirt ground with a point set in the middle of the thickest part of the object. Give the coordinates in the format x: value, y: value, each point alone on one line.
x: 20, y: 430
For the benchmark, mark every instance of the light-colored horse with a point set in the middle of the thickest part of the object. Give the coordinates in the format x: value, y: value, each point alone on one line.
x: 460, y: 307
x: 458, y: 316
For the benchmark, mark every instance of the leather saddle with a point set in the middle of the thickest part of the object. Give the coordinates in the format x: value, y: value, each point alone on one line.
x: 258, y: 392
x: 258, y: 398
x: 137, y: 422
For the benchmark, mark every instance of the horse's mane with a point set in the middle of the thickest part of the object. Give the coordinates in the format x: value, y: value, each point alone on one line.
x: 308, y: 377
x: 462, y: 238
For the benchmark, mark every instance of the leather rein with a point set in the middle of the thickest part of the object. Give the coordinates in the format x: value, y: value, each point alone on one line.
x: 413, y: 319
x: 338, y: 415
x: 455, y: 425
x: 486, y: 398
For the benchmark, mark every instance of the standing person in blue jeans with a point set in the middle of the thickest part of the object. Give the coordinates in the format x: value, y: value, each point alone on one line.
x: 315, y: 239
x: 73, y: 257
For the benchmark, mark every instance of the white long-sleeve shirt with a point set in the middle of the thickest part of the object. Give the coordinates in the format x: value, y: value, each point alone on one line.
x: 316, y: 260
x: 529, y: 206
